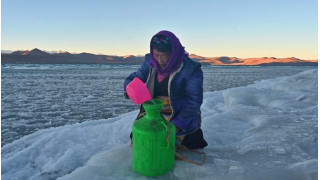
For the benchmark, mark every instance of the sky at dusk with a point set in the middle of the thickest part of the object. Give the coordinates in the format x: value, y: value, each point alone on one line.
x: 210, y: 28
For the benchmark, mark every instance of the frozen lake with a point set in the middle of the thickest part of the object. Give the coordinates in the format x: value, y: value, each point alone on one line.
x: 36, y: 97
x: 267, y: 130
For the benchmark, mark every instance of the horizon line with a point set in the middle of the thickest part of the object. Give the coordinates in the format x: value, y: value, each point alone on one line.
x: 139, y: 55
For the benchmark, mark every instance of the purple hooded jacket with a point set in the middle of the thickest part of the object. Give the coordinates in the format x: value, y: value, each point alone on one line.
x: 185, y: 90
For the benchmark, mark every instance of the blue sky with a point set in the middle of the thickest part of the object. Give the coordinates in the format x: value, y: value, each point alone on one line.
x: 235, y: 28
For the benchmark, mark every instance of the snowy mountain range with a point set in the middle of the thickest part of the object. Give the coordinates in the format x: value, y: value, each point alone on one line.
x: 62, y: 57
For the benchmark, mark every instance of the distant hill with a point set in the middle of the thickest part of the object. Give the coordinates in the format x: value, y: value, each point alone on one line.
x: 37, y: 56
x: 264, y: 61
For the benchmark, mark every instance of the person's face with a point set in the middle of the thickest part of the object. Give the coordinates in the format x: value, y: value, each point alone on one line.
x: 161, y: 57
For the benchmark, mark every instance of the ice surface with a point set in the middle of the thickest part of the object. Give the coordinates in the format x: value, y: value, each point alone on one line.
x: 267, y: 130
x: 41, y: 96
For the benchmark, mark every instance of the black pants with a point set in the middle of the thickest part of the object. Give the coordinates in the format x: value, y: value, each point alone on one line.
x: 192, y: 141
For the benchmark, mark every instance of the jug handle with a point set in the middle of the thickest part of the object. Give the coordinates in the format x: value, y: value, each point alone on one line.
x: 167, y: 139
x: 168, y: 136
x: 164, y: 125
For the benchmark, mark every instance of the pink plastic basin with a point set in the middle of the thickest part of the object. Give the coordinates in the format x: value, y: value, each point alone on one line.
x: 138, y: 91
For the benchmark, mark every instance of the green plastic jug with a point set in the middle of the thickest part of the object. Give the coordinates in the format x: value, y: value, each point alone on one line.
x: 152, y: 154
